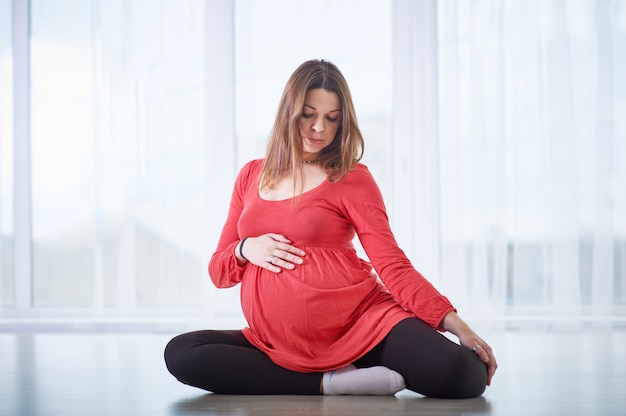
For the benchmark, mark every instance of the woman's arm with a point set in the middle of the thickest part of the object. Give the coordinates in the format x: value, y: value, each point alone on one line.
x: 364, y: 208
x: 225, y: 269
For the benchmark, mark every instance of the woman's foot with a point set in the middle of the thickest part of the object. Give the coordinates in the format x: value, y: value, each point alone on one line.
x: 377, y: 381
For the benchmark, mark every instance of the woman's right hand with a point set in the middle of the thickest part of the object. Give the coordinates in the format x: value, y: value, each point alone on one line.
x: 271, y: 251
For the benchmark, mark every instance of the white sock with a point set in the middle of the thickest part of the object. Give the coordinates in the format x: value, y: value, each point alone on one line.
x: 378, y: 381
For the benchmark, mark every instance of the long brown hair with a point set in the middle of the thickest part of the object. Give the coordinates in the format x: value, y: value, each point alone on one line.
x: 285, y: 147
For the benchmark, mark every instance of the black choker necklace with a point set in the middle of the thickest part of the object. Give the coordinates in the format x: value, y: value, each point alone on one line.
x: 312, y: 161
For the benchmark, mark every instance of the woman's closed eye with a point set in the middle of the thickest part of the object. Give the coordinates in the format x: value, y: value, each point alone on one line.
x: 310, y: 115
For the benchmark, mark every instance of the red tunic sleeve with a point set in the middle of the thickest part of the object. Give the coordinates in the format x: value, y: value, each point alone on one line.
x: 223, y: 267
x: 363, y: 205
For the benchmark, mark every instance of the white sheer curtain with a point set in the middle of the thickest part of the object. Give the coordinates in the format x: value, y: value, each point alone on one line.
x: 122, y: 166
x: 131, y: 106
x: 496, y: 130
x: 532, y: 141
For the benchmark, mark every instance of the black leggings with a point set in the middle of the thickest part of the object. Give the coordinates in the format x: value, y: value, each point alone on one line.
x: 226, y: 362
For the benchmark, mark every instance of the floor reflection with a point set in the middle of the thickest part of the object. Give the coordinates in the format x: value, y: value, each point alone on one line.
x: 403, y: 403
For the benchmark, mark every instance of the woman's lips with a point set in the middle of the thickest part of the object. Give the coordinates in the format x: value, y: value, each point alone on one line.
x: 314, y: 141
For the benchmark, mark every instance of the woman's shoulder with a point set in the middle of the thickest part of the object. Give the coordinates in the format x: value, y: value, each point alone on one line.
x: 360, y: 172
x: 357, y: 179
x: 254, y: 164
x: 358, y: 187
x: 361, y: 167
x: 248, y: 175
x: 251, y: 168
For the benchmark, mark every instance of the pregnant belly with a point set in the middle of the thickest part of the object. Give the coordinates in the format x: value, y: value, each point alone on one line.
x: 280, y: 306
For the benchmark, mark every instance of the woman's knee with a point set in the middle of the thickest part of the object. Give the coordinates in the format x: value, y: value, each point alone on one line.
x: 176, y: 355
x: 466, y: 376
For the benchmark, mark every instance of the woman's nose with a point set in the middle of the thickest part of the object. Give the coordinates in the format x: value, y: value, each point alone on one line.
x: 318, y: 125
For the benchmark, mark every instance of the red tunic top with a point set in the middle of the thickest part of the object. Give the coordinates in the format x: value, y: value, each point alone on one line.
x: 332, y: 309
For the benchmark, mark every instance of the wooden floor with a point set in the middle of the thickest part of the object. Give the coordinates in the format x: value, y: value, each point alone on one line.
x: 542, y: 372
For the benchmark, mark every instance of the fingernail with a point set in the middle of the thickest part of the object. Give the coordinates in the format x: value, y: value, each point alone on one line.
x: 299, y: 261
x: 290, y: 266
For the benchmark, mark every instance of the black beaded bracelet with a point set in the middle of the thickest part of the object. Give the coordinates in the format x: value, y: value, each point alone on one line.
x: 241, y: 248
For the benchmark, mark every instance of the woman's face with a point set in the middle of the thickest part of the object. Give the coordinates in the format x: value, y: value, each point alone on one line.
x: 321, y: 117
